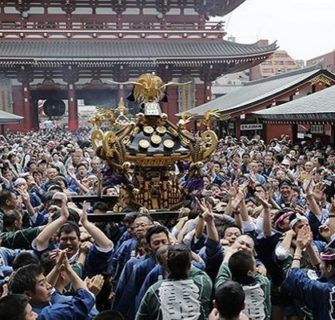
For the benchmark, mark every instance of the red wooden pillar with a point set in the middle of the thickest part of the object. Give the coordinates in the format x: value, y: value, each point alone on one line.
x: 172, y: 105
x: 200, y: 94
x: 72, y: 108
x: 27, y: 110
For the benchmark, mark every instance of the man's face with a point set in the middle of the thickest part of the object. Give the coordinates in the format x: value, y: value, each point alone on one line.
x: 94, y: 165
x: 309, y: 166
x: 141, y: 225
x: 111, y: 192
x: 42, y: 294
x: 13, y: 160
x: 37, y: 177
x: 285, y: 191
x: 82, y: 171
x: 206, y: 181
x: 42, y: 167
x: 331, y: 159
x: 29, y: 314
x: 12, y: 201
x: 22, y: 186
x: 216, y: 167
x: 8, y: 175
x: 69, y: 241
x: 231, y: 234
x: 280, y: 175
x: 244, y: 243
x: 32, y: 167
x: 76, y: 157
x: 253, y: 167
x: 301, y: 160
x: 51, y: 173
x: 158, y: 240
x: 246, y: 159
x: 299, y: 225
x: 268, y: 161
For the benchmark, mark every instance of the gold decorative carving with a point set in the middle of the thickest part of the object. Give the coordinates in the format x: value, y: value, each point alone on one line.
x: 126, y: 145
x: 323, y: 79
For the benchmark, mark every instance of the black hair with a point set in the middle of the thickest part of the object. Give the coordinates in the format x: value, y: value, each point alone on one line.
x: 240, y: 263
x: 54, y: 186
x: 109, y: 315
x: 73, y: 215
x: 47, y: 197
x: 101, y: 206
x: 24, y: 258
x: 12, y: 307
x: 4, y: 196
x: 46, y: 262
x: 10, y: 218
x: 24, y: 279
x: 321, y: 161
x: 179, y: 261
x: 68, y: 228
x: 130, y: 217
x: 229, y: 299
x: 227, y: 226
x: 29, y: 163
x: 217, y: 162
x: 60, y: 178
x: 141, y: 215
x: 155, y: 230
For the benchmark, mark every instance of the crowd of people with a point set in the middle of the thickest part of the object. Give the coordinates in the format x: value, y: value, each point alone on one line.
x: 255, y: 241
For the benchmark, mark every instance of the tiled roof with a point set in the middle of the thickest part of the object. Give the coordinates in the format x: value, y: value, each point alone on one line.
x: 255, y: 92
x: 123, y: 50
x: 316, y: 106
x: 6, y: 117
x: 222, y: 9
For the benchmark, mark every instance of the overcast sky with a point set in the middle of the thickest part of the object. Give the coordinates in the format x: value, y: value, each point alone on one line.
x: 304, y: 28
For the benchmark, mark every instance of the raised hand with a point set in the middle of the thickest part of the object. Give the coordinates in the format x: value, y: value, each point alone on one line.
x: 95, y: 284
x: 304, y: 237
x: 263, y: 200
x: 83, y: 215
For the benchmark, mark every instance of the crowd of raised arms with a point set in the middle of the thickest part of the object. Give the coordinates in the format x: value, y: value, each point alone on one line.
x: 255, y: 242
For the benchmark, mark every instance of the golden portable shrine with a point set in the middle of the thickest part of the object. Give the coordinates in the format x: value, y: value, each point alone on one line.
x: 141, y: 154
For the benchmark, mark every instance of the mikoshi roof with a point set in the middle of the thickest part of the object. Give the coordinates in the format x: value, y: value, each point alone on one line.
x: 127, y: 50
x: 8, y: 118
x: 319, y: 106
x: 258, y: 91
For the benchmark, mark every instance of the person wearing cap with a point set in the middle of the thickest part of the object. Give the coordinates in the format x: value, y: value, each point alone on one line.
x: 31, y: 202
x: 21, y: 185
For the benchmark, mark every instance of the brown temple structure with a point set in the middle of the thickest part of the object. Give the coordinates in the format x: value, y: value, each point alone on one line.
x: 69, y: 49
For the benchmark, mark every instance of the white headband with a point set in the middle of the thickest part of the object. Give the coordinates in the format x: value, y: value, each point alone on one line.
x: 299, y: 217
